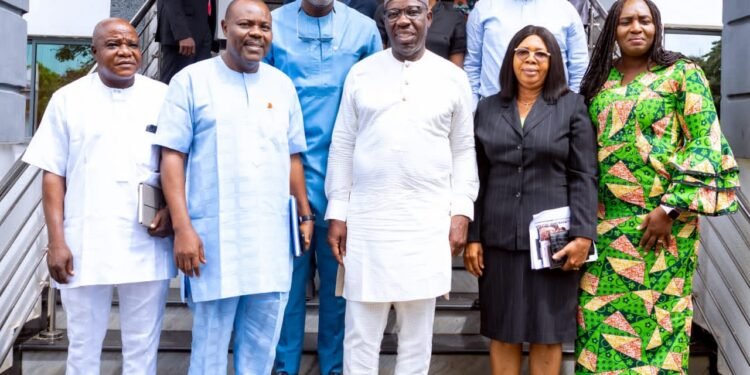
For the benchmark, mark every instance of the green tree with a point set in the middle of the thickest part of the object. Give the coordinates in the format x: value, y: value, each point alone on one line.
x: 711, y: 65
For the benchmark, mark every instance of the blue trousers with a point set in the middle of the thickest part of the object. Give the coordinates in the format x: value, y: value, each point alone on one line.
x: 256, y: 322
x: 331, y: 314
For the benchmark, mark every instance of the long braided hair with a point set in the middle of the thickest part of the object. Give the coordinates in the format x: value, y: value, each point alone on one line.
x: 602, y: 57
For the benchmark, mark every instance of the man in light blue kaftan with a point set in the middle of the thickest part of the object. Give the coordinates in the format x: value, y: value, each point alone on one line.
x: 227, y: 129
x: 315, y: 43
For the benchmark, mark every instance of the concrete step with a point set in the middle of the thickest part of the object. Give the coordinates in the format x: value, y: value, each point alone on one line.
x: 451, y: 354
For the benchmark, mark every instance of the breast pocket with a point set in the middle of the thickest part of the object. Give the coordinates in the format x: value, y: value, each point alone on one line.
x: 439, y: 42
x: 144, y: 152
x: 267, y: 134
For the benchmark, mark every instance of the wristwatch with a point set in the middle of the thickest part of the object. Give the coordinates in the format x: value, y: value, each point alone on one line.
x: 672, y: 212
x: 304, y: 218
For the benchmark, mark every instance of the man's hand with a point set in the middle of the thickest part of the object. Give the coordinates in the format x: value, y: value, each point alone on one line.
x: 188, y: 252
x: 60, y: 262
x: 658, y: 226
x: 187, y: 47
x: 577, y: 251
x: 474, y: 258
x: 337, y: 239
x: 459, y: 231
x: 161, y: 226
x: 306, y: 228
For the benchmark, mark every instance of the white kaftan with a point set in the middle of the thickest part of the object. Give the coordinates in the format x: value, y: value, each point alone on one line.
x: 401, y: 163
x: 100, y: 139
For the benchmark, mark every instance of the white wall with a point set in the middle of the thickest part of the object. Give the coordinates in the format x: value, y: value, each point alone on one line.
x: 68, y: 18
x: 222, y: 8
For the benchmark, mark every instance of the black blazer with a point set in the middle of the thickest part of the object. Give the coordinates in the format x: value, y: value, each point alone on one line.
x: 181, y: 19
x: 548, y: 163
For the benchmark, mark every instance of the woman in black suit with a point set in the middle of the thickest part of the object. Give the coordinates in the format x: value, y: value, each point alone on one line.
x: 536, y: 150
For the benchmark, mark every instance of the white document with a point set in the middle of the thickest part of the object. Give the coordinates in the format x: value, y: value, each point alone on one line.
x: 547, y: 230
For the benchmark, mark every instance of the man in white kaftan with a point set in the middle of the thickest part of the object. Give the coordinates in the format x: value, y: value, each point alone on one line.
x: 227, y: 129
x: 95, y: 146
x: 401, y: 183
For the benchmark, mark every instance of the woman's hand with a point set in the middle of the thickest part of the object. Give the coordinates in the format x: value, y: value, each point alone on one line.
x: 577, y: 251
x: 474, y: 258
x: 658, y: 230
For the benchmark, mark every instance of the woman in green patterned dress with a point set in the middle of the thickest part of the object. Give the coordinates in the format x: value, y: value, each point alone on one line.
x: 663, y: 161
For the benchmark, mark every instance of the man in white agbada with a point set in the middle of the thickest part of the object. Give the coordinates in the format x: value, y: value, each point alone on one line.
x: 95, y: 146
x: 231, y: 132
x: 401, y: 183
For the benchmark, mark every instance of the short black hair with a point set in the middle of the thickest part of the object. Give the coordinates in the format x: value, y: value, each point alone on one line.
x: 555, y: 84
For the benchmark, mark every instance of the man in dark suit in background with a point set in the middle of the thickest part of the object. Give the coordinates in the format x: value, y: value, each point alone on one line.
x: 185, y: 30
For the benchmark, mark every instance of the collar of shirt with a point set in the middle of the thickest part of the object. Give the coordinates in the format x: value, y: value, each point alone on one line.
x: 315, y: 28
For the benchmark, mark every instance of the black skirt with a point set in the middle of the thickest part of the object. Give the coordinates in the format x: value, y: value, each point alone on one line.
x: 519, y: 304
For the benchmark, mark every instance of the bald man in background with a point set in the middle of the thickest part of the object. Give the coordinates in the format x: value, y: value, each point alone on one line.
x: 95, y: 146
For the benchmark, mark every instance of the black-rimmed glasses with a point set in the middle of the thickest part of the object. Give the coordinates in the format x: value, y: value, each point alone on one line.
x: 411, y: 12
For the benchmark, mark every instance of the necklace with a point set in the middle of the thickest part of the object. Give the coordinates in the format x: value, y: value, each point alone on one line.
x: 526, y: 105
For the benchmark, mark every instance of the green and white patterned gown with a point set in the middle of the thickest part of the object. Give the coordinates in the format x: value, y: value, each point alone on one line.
x: 659, y: 143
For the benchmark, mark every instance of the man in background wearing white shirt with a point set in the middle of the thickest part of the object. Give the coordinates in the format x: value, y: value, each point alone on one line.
x: 95, y: 146
x: 492, y: 24
x: 401, y: 183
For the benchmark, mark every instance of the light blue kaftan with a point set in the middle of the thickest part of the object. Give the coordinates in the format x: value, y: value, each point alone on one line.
x: 238, y: 130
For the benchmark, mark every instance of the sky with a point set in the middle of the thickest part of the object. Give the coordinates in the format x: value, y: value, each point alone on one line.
x: 691, y: 12
x: 696, y: 12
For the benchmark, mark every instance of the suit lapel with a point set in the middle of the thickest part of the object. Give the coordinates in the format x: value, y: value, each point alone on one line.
x: 510, y: 114
x: 539, y: 112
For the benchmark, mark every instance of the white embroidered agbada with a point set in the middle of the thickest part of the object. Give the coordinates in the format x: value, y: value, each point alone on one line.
x: 100, y: 139
x: 401, y: 163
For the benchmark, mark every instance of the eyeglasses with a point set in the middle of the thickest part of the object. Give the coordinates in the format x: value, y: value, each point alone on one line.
x: 523, y: 54
x: 411, y: 12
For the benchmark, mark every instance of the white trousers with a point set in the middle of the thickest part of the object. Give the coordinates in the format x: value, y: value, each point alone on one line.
x: 141, y: 312
x: 365, y: 323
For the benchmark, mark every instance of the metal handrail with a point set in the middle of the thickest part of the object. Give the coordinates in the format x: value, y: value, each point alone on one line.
x: 674, y: 28
x: 10, y: 178
x: 15, y: 188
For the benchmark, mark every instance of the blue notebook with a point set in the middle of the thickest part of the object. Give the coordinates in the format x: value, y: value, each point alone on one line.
x: 294, y: 234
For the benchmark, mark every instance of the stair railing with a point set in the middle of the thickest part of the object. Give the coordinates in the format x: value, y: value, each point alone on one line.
x: 23, y: 270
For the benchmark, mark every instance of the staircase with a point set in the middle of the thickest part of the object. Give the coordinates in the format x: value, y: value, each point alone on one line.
x: 458, y: 348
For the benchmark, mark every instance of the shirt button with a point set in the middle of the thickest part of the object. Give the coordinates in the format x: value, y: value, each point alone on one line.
x: 520, y: 169
x: 518, y: 194
x: 518, y: 147
x: 403, y: 99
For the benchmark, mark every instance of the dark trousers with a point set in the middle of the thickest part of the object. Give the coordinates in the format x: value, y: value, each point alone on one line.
x: 171, y: 62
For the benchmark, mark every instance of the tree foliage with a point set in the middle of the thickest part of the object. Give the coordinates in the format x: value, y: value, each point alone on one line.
x: 711, y: 65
